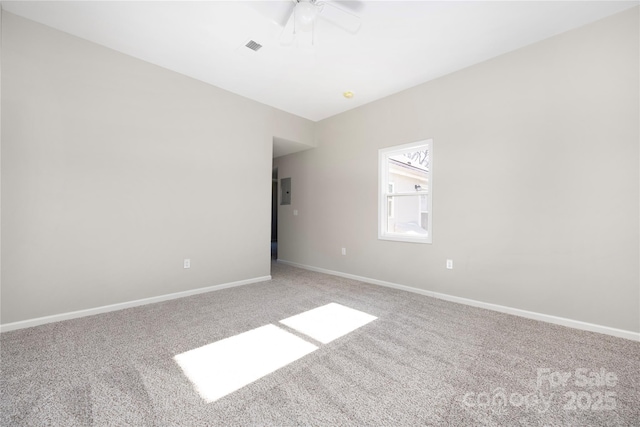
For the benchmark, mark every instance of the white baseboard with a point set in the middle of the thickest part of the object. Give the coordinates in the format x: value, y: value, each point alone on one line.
x: 120, y: 306
x: 577, y: 324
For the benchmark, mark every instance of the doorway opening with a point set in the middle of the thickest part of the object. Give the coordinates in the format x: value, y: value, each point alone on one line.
x: 274, y: 214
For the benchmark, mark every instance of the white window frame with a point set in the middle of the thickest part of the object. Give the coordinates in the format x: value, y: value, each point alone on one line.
x: 391, y: 206
x: 383, y: 191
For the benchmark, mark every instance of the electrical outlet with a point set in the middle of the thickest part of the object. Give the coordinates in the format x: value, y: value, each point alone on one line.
x: 449, y: 264
x: 344, y: 251
x: 187, y: 263
x: 295, y: 212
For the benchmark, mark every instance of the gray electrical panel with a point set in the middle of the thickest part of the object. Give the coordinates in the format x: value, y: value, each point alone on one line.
x: 285, y: 191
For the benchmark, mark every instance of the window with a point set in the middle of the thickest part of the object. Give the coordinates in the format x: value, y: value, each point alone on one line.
x: 405, y: 206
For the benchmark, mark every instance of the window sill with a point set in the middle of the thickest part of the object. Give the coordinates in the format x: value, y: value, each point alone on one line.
x: 406, y: 239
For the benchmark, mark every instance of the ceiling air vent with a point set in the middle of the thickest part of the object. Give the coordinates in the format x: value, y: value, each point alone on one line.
x: 253, y: 45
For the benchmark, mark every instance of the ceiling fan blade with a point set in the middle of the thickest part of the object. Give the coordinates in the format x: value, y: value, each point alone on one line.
x: 340, y: 17
x: 277, y: 11
x: 352, y: 5
x: 288, y: 32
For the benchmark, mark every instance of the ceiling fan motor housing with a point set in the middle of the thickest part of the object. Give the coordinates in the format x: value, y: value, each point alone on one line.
x: 305, y: 15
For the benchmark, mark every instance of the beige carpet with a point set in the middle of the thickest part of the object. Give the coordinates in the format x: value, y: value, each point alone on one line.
x: 422, y: 361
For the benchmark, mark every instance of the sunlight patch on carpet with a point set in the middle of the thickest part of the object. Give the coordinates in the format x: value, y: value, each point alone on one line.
x: 328, y: 322
x: 225, y: 366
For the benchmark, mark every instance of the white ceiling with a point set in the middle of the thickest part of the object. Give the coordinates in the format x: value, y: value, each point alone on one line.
x: 400, y: 43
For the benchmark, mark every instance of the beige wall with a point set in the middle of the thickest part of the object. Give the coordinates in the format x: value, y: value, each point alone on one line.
x: 536, y: 181
x: 115, y: 170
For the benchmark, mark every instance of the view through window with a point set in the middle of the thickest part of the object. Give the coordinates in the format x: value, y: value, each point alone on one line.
x: 405, y: 192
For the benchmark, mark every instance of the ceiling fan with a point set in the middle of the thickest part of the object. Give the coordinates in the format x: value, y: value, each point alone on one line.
x: 300, y: 16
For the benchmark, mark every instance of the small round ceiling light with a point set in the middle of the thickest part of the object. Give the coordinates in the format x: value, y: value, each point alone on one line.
x: 348, y: 94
